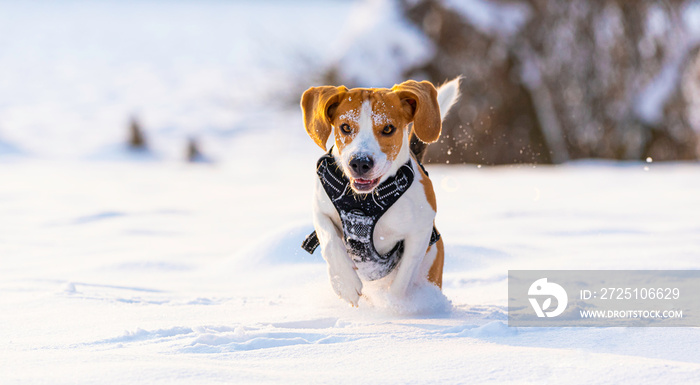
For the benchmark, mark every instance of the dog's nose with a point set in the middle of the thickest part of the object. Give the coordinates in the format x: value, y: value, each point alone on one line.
x: 361, y: 164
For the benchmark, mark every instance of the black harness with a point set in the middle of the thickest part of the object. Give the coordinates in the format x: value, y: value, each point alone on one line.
x: 359, y: 214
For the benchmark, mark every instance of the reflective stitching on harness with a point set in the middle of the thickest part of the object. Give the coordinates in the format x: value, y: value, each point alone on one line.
x: 340, y: 182
x: 345, y: 191
x: 401, y: 183
x: 375, y: 201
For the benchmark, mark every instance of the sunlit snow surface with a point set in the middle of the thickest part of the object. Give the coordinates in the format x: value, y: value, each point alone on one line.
x: 138, y: 268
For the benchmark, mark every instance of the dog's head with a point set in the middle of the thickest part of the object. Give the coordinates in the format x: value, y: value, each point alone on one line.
x: 371, y: 126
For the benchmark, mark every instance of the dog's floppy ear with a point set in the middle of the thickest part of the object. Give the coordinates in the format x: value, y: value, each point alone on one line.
x: 318, y: 105
x: 420, y: 100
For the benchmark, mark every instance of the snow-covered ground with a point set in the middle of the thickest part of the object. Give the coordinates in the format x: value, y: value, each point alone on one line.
x: 150, y: 270
x: 169, y: 273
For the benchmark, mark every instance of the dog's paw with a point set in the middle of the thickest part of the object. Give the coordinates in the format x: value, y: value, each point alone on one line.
x: 347, y: 285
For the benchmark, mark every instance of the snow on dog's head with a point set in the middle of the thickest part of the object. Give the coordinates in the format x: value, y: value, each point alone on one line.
x: 370, y: 126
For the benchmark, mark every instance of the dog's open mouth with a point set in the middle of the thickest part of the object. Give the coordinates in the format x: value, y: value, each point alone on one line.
x: 364, y: 185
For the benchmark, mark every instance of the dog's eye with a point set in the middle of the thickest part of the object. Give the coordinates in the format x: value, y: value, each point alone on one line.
x: 388, y: 129
x: 345, y: 128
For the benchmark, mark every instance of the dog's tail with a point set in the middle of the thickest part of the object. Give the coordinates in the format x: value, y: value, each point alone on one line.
x: 448, y: 94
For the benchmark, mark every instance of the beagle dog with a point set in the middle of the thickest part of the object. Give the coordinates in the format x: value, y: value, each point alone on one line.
x: 374, y: 205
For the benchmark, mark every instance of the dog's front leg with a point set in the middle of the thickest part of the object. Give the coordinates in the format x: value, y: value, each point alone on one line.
x: 414, y: 252
x: 341, y: 269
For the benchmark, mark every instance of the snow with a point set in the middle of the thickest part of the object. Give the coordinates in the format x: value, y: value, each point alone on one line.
x: 139, y: 268
x: 163, y: 272
x: 493, y: 18
x: 378, y: 37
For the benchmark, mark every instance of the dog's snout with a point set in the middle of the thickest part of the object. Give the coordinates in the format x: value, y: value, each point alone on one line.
x: 361, y: 164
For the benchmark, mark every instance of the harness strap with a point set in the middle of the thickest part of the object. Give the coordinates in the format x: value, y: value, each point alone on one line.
x: 359, y: 214
x: 311, y: 242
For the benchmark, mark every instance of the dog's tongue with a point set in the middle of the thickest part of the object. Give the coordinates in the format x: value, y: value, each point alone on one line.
x: 364, y: 181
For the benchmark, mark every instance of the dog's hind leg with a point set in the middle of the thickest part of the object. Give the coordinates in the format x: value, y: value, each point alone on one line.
x: 435, y: 272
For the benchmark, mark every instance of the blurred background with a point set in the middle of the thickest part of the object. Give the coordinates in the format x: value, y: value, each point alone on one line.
x: 545, y: 81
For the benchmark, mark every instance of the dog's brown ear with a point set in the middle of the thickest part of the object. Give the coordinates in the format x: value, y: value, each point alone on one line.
x: 420, y: 101
x: 318, y: 105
